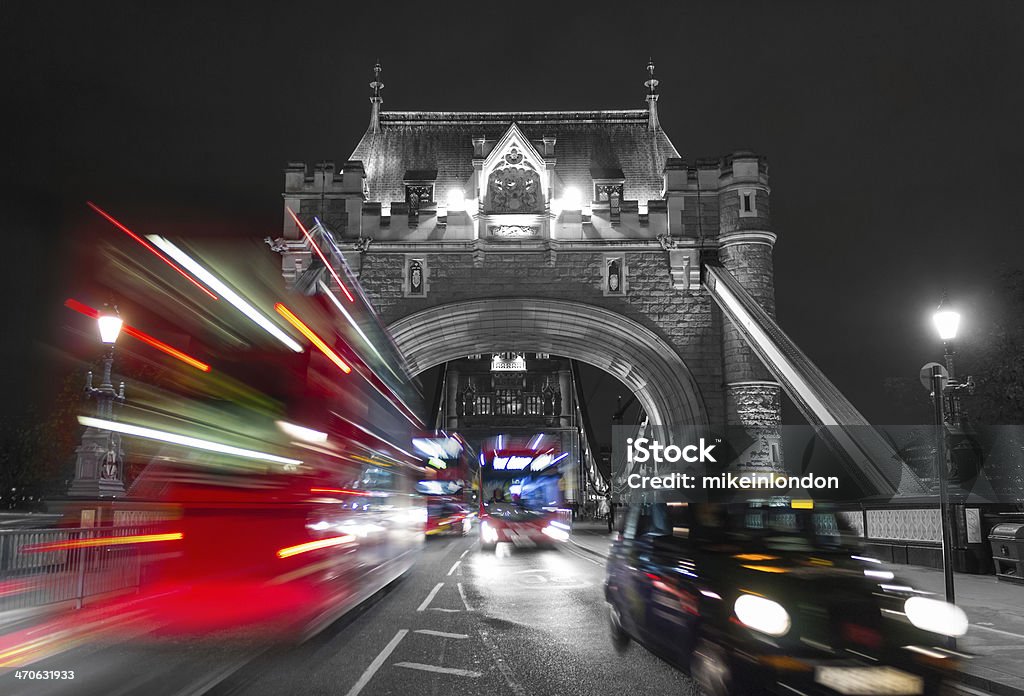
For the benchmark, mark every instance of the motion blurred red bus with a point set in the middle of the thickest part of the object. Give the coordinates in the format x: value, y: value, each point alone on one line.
x: 275, y: 447
x: 520, y: 496
x: 447, y: 488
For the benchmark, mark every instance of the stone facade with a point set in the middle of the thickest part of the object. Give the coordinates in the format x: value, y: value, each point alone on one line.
x: 609, y: 216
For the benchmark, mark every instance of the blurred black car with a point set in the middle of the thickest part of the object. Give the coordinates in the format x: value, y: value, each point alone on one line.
x: 750, y: 598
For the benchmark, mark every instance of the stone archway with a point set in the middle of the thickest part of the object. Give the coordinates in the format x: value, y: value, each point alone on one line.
x: 622, y: 347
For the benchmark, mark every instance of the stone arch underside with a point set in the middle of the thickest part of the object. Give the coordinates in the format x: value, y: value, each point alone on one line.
x: 634, y: 354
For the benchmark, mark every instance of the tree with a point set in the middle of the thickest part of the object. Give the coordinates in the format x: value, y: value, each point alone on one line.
x: 37, y: 448
x: 993, y: 353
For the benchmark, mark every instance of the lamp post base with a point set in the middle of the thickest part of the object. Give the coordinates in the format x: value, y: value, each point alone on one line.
x: 98, y: 470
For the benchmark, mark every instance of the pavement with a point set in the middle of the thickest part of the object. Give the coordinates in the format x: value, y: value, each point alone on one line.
x: 995, y: 609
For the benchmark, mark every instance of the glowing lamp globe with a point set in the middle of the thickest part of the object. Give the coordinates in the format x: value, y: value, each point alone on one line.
x: 571, y: 199
x: 456, y: 200
x: 946, y: 321
x: 110, y: 325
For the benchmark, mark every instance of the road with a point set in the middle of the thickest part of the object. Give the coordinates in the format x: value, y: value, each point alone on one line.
x: 469, y: 622
x: 462, y: 621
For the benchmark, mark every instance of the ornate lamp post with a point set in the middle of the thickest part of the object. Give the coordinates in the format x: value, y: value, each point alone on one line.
x: 946, y: 402
x: 98, y: 470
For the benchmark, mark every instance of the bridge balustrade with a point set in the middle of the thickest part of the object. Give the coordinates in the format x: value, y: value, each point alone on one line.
x: 39, y: 567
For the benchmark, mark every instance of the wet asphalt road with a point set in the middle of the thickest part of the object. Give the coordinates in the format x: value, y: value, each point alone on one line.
x: 462, y: 621
x: 468, y: 622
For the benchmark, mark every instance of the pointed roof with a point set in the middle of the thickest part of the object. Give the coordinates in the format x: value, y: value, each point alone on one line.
x: 586, y: 142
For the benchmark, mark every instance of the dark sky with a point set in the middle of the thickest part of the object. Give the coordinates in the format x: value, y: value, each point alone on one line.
x: 893, y: 131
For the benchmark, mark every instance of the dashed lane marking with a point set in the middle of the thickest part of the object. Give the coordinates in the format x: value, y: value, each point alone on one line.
x: 377, y: 662
x: 454, y: 566
x: 577, y: 554
x: 442, y: 634
x: 430, y: 597
x: 462, y: 593
x: 464, y: 554
x: 439, y: 670
x: 997, y: 630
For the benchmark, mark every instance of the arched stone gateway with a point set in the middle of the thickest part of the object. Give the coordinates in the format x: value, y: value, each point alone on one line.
x: 594, y: 335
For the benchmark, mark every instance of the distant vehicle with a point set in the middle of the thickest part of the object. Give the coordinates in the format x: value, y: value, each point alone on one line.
x: 520, y: 526
x: 752, y: 599
x: 446, y: 462
x: 448, y: 515
x: 520, y: 498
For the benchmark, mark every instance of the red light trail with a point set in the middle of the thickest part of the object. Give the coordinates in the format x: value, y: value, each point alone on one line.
x: 141, y: 335
x: 323, y: 258
x: 150, y: 247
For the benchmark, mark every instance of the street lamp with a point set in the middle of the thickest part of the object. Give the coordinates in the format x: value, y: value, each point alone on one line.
x: 98, y: 462
x: 110, y: 323
x: 946, y: 403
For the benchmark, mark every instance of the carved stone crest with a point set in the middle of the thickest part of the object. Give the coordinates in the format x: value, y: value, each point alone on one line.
x: 514, y: 190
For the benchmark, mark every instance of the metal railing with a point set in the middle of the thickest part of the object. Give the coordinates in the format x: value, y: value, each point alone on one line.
x: 49, y: 566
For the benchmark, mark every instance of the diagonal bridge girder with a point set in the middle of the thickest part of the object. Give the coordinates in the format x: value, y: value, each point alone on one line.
x: 869, y: 457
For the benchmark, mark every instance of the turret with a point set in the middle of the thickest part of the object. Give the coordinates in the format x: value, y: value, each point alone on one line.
x: 745, y: 244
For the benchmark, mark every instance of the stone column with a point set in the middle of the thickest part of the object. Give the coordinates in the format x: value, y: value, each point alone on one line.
x: 452, y: 389
x: 565, y: 389
x: 752, y: 396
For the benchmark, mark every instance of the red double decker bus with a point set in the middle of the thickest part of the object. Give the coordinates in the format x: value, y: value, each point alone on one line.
x: 520, y: 495
x: 274, y: 441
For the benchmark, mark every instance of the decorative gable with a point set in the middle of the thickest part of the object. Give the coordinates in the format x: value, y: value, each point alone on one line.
x: 515, y: 176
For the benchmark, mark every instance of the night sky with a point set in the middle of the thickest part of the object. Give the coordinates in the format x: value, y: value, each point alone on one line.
x: 893, y: 132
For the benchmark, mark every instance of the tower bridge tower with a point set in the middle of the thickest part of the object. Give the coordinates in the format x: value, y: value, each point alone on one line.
x: 571, y: 233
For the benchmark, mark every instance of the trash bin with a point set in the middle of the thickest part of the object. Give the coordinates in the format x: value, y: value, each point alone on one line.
x: 1007, y: 541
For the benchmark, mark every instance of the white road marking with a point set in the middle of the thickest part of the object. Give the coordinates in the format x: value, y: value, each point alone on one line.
x: 430, y: 597
x: 462, y: 593
x: 577, y: 554
x: 450, y: 611
x: 456, y: 565
x: 377, y: 662
x: 997, y: 630
x: 442, y: 634
x: 464, y: 554
x: 439, y: 670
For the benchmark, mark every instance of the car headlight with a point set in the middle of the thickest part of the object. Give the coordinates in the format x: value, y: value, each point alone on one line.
x: 488, y: 533
x: 556, y: 533
x: 936, y: 616
x: 762, y: 614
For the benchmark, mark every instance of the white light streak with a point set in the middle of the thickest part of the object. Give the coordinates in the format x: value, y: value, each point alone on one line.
x: 301, y: 432
x: 227, y: 293
x: 185, y: 440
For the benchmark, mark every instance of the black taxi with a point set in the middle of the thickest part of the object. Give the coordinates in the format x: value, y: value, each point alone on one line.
x: 754, y: 598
